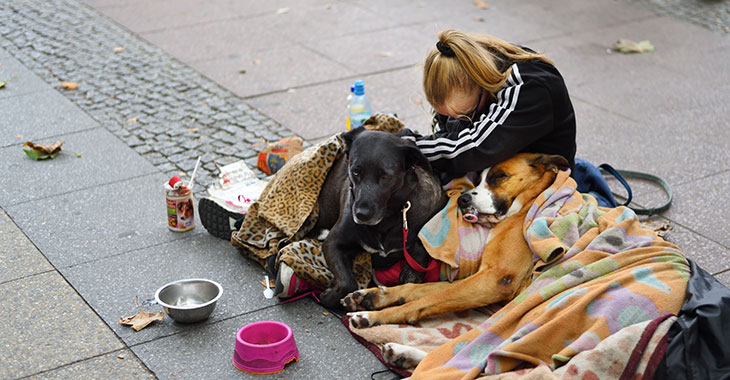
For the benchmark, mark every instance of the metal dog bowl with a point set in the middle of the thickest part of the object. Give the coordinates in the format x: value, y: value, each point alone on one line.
x: 190, y: 300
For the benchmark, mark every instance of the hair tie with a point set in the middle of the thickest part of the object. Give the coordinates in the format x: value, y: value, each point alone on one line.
x: 445, y: 49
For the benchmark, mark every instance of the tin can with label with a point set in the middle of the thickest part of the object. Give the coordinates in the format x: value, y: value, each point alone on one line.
x: 180, y: 210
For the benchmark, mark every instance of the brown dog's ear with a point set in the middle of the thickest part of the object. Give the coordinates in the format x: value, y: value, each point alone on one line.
x: 350, y: 136
x: 552, y: 162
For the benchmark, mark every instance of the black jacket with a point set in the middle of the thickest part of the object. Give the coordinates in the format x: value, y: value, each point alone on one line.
x: 532, y: 113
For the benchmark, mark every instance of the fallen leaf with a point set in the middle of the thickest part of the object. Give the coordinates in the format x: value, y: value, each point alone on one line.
x: 628, y: 46
x: 118, y: 49
x: 2, y: 84
x: 69, y: 85
x: 18, y: 136
x: 242, y: 71
x: 660, y: 227
x: 192, y: 130
x: 384, y: 54
x: 256, y: 61
x: 481, y: 4
x: 325, y: 313
x: 479, y: 19
x: 42, y: 151
x: 120, y: 356
x: 726, y: 29
x: 282, y: 11
x: 141, y: 319
x: 177, y: 373
x: 133, y: 119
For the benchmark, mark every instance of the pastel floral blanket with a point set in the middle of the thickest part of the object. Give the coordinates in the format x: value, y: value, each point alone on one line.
x: 596, y: 272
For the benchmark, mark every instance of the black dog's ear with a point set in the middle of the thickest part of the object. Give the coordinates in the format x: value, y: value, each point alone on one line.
x: 552, y: 162
x: 414, y: 157
x: 350, y: 136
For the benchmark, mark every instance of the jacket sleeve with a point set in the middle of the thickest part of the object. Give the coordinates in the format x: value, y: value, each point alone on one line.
x: 521, y: 114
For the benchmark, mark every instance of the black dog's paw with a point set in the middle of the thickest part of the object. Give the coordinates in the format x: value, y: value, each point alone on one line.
x: 401, y: 356
x: 410, y: 275
x: 359, y: 300
x: 330, y: 298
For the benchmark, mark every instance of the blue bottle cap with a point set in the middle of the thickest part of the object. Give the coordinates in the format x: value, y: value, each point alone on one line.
x: 359, y: 87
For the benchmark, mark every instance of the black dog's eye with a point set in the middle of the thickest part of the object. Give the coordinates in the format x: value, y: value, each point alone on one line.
x: 385, y: 177
x: 355, y: 172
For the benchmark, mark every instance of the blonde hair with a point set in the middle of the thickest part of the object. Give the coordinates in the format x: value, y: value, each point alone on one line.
x: 476, y: 61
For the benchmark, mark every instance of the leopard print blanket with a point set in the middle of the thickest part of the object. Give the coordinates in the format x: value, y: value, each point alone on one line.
x: 278, y: 223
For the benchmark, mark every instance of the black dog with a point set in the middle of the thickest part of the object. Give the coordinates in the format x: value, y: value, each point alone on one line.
x: 362, y: 201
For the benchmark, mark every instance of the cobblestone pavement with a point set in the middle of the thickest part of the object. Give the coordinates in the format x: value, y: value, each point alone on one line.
x: 167, y: 112
x: 712, y: 14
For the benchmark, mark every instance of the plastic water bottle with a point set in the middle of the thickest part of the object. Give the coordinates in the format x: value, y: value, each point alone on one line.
x: 359, y: 106
x: 349, y: 97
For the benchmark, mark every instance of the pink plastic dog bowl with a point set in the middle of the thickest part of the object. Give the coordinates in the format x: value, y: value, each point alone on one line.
x: 264, y: 347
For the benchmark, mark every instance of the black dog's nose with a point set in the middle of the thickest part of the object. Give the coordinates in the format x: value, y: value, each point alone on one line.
x: 363, y: 213
x: 464, y: 200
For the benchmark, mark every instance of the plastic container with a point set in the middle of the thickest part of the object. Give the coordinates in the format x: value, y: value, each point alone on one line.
x: 264, y: 347
x: 349, y: 98
x: 359, y: 108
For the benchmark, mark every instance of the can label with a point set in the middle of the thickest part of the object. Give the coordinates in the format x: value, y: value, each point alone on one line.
x: 180, y: 210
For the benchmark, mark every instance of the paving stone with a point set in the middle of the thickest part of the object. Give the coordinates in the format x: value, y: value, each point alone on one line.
x: 45, y: 324
x: 100, y: 221
x: 695, y: 207
x: 110, y: 285
x: 46, y: 114
x: 18, y: 79
x: 119, y: 365
x: 20, y: 257
x: 67, y: 172
x: 206, y: 352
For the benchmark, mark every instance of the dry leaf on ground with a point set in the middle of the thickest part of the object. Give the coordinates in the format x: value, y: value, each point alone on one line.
x: 118, y: 49
x: 628, y: 46
x: 141, y: 319
x: 660, y: 227
x: 2, y: 84
x: 69, y: 85
x: 133, y: 119
x: 42, y: 151
x: 282, y: 11
x: 481, y: 4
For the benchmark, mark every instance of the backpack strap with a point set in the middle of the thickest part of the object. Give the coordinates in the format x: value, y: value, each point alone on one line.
x: 622, y: 174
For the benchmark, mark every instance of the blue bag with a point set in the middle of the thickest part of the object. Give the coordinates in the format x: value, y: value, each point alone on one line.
x: 592, y: 180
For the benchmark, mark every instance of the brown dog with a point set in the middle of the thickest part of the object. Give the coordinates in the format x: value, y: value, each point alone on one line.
x: 502, y: 198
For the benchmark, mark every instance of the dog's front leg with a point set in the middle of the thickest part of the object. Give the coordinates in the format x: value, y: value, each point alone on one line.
x: 338, y: 254
x: 487, y: 286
